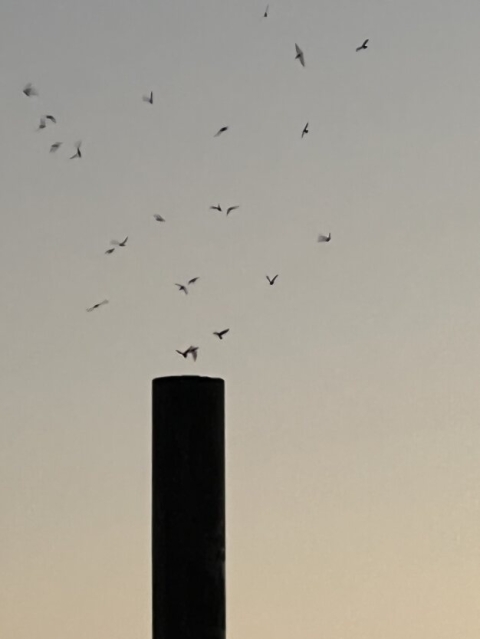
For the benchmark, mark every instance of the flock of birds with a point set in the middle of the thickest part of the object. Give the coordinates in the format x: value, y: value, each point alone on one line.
x: 30, y: 91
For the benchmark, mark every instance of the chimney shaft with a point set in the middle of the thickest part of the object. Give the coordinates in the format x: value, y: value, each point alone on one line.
x: 188, y: 508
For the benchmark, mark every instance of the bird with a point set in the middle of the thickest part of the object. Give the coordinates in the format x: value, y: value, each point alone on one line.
x: 305, y: 130
x: 51, y: 118
x: 220, y: 334
x: 193, y: 280
x: 55, y: 147
x: 272, y: 281
x: 42, y: 124
x: 232, y: 208
x: 191, y: 350
x: 324, y: 238
x: 220, y: 131
x: 364, y: 46
x: 217, y: 208
x: 265, y: 15
x: 78, y: 154
x: 183, y: 288
x: 117, y: 243
x: 159, y: 218
x: 109, y: 251
x: 29, y: 90
x: 92, y: 308
x: 299, y: 55
x: 148, y: 98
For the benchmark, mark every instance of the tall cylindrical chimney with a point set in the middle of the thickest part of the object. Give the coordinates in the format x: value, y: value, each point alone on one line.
x: 188, y: 508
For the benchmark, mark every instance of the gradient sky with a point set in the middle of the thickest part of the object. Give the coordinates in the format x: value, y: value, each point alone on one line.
x: 352, y: 384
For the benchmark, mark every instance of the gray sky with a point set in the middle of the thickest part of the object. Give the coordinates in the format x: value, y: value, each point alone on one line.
x: 352, y: 384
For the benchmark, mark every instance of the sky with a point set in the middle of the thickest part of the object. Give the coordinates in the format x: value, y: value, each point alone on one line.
x: 352, y: 403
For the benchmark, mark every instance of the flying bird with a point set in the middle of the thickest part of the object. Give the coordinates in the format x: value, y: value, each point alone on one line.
x: 55, y: 147
x: 92, y: 308
x: 220, y: 334
x: 305, y: 130
x: 265, y: 15
x: 299, y: 55
x: 272, y: 281
x: 364, y: 46
x: 220, y: 131
x: 324, y: 238
x: 29, y: 90
x: 183, y: 288
x: 191, y: 350
x: 217, y: 208
x: 232, y: 208
x: 148, y: 98
x: 51, y: 118
x: 159, y: 218
x: 193, y: 280
x: 78, y: 154
x: 117, y: 243
x: 109, y: 251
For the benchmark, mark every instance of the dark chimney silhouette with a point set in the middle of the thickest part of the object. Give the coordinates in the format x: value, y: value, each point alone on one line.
x: 188, y: 508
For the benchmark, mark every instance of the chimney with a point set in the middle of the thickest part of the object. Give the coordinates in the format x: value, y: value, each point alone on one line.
x: 188, y: 508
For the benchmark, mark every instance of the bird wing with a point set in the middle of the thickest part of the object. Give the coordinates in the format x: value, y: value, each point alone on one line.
x: 274, y: 278
x: 365, y: 43
x: 268, y: 278
x: 125, y: 240
x: 193, y: 351
x: 224, y: 332
x: 232, y: 208
x: 51, y: 118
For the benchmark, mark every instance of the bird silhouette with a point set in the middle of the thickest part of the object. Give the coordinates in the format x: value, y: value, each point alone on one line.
x: 364, y: 46
x: 148, y: 98
x: 217, y: 208
x: 159, y: 218
x: 272, y: 281
x: 220, y: 131
x: 51, y: 118
x: 265, y: 15
x: 191, y: 350
x: 220, y: 334
x: 117, y: 243
x: 29, y: 90
x: 109, y: 251
x: 232, y: 208
x: 92, y: 308
x: 182, y: 287
x: 55, y: 147
x: 193, y: 280
x: 305, y: 130
x: 299, y: 55
x: 78, y: 154
x: 324, y: 238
